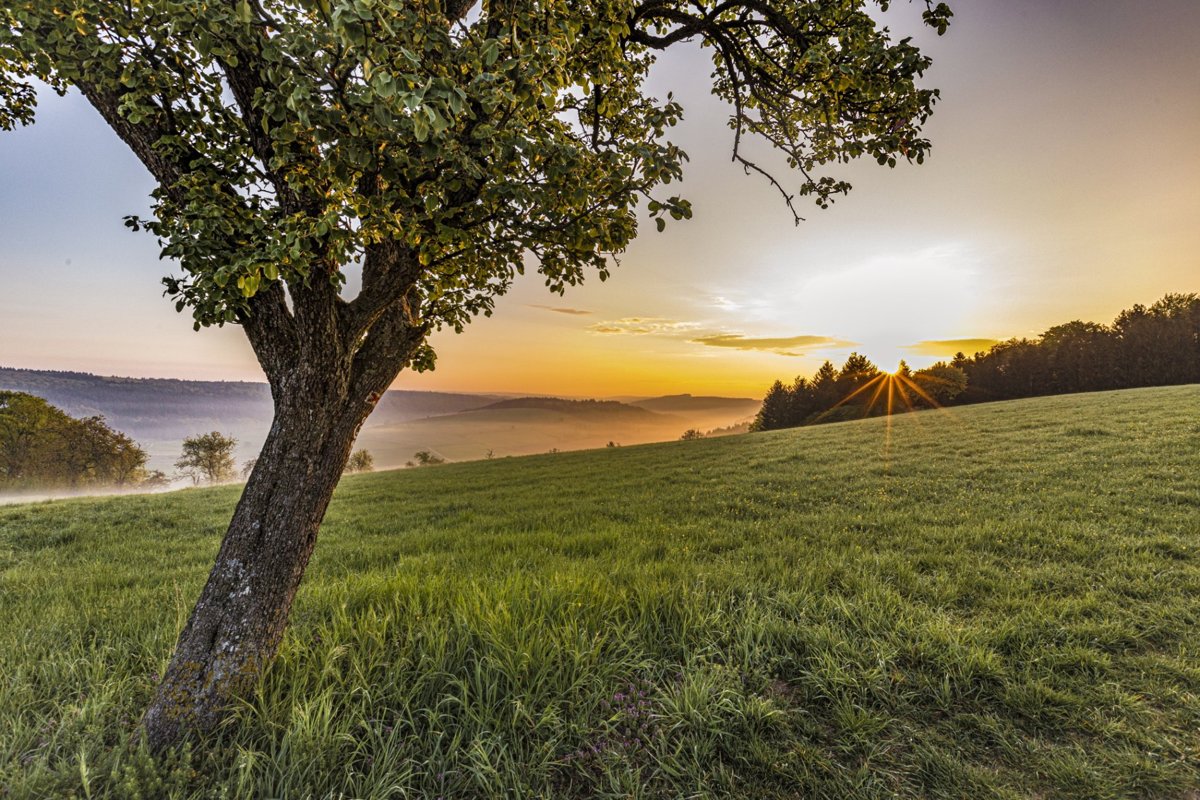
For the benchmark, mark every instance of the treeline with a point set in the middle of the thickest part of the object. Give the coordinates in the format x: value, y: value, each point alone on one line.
x: 858, y: 389
x: 1157, y: 345
x: 43, y: 448
x: 1145, y: 346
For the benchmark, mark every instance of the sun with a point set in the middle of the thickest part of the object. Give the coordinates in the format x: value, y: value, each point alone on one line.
x: 887, y: 302
x: 891, y: 393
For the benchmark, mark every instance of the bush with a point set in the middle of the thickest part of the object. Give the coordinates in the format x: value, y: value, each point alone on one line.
x: 426, y: 458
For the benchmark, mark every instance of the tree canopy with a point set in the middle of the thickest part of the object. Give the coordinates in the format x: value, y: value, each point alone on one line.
x: 441, y: 147
x: 1157, y: 345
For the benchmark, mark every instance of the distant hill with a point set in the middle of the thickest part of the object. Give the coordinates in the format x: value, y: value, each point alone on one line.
x: 705, y: 413
x: 149, y: 408
x: 160, y: 412
x: 689, y: 404
x: 520, y: 426
x: 578, y: 408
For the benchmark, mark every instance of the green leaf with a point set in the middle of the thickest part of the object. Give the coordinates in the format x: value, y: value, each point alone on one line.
x: 420, y: 127
x: 491, y: 51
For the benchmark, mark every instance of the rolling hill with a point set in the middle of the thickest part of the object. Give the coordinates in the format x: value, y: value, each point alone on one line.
x: 159, y: 413
x: 994, y: 601
x: 521, y: 426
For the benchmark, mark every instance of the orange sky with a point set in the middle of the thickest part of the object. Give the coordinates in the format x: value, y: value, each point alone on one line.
x: 1064, y: 184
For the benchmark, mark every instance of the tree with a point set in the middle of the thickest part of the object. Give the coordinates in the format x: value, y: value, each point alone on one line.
x: 42, y: 447
x: 443, y: 148
x: 940, y: 383
x: 208, y: 458
x: 360, y: 460
x: 824, y: 387
x: 775, y: 410
x: 691, y: 434
x: 854, y: 375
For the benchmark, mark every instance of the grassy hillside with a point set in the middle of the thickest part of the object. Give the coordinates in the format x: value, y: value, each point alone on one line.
x: 998, y: 601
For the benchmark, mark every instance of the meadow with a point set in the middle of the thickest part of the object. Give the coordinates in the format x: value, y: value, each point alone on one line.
x: 999, y: 601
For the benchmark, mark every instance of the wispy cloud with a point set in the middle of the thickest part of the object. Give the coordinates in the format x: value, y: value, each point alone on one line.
x: 642, y: 326
x: 575, y: 312
x: 942, y: 347
x: 782, y: 345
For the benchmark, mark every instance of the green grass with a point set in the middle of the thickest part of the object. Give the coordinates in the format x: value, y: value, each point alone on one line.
x: 997, y: 601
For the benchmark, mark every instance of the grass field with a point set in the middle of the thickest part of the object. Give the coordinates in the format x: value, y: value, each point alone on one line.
x: 996, y: 601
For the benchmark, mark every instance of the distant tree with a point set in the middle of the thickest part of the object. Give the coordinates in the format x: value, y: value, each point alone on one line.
x: 426, y: 458
x: 855, y: 374
x: 155, y: 479
x: 691, y: 434
x: 824, y: 386
x: 248, y: 467
x: 802, y: 402
x: 1078, y: 356
x: 940, y: 383
x: 1159, y: 345
x: 490, y: 454
x: 207, y: 458
x: 42, y: 447
x: 1145, y: 346
x: 103, y: 456
x: 360, y: 460
x: 774, y: 413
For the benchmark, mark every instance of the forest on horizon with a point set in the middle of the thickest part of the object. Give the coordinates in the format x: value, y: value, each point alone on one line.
x: 1156, y: 345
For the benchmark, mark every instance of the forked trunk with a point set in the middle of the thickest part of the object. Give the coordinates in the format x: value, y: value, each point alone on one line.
x: 238, y: 622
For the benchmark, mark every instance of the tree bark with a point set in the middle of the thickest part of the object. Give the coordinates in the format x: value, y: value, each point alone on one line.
x: 237, y: 624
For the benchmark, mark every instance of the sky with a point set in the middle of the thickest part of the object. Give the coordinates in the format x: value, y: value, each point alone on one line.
x: 1064, y: 184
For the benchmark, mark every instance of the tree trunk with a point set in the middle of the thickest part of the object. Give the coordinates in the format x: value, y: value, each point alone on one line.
x: 238, y: 622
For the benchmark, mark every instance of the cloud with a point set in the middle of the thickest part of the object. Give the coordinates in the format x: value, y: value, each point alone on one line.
x: 942, y: 347
x: 575, y: 312
x: 642, y: 326
x: 782, y: 345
